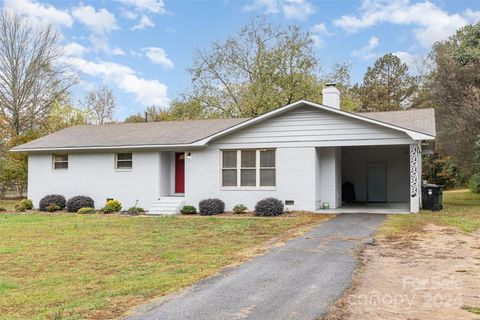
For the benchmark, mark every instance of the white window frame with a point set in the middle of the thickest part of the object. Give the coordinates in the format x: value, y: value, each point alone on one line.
x: 116, y: 162
x: 55, y: 161
x: 239, y: 170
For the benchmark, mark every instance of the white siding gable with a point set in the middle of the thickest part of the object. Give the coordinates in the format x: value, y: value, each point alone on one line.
x: 308, y: 126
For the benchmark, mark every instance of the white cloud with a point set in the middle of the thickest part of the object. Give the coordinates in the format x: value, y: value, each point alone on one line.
x: 367, y: 53
x: 297, y: 9
x: 154, y: 6
x: 473, y: 16
x: 128, y: 14
x: 317, y: 33
x: 100, y: 43
x: 147, y: 92
x: 270, y: 6
x: 291, y: 9
x: 74, y: 49
x: 40, y: 11
x: 145, y: 22
x: 419, y: 64
x: 100, y: 22
x: 430, y: 23
x: 158, y: 56
x: 407, y: 58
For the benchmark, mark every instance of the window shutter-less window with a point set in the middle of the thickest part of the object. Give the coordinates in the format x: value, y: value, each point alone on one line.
x: 229, y: 168
x: 267, y: 168
x: 248, y: 174
x: 124, y: 161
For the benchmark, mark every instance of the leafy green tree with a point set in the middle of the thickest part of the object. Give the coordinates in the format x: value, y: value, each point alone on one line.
x: 152, y: 114
x: 340, y: 75
x: 455, y: 88
x: 387, y: 85
x: 259, y: 69
x: 63, y: 115
x: 134, y: 118
x: 14, y: 166
x: 182, y: 109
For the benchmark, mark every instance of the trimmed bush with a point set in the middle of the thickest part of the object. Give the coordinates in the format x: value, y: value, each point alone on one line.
x: 474, y: 183
x: 86, y: 210
x: 269, y: 207
x: 135, y: 211
x: 27, y: 203
x: 20, y: 207
x: 112, y: 206
x: 210, y: 207
x: 53, y: 200
x: 53, y: 207
x: 3, y: 209
x: 239, y: 209
x: 76, y: 203
x: 188, y: 210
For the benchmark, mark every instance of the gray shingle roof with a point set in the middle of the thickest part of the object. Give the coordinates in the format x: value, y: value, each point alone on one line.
x: 421, y: 120
x: 186, y: 132
x: 132, y: 134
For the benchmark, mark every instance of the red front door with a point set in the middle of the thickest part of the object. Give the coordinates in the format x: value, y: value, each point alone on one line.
x: 179, y: 172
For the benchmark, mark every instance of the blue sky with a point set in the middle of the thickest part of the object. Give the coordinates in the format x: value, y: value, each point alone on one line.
x: 141, y: 48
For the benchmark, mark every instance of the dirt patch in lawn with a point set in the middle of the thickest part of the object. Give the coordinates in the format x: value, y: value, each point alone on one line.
x: 433, y: 276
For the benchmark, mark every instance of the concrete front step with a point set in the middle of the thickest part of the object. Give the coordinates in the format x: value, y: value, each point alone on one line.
x: 167, y: 206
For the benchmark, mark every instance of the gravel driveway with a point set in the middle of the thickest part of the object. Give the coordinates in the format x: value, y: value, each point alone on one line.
x: 300, y: 280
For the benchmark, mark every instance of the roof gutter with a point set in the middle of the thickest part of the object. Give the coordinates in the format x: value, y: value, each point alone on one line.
x: 81, y: 148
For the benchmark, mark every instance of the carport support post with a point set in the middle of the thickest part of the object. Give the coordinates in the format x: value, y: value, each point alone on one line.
x: 415, y: 178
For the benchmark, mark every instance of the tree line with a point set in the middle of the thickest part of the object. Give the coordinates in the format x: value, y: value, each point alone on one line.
x: 258, y: 69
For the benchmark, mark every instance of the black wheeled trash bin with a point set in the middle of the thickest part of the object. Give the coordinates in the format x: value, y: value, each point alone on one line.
x: 432, y: 197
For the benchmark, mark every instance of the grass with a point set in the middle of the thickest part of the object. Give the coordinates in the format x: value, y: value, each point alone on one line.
x: 70, y: 266
x: 475, y: 310
x: 461, y: 210
x: 9, y: 204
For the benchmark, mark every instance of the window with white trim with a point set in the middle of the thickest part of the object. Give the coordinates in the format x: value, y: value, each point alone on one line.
x: 248, y: 168
x: 60, y: 161
x: 123, y: 161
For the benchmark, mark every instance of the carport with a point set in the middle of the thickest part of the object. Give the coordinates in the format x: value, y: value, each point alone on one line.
x: 369, y: 178
x: 376, y: 178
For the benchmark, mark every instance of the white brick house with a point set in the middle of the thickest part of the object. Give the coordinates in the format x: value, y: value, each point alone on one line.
x: 301, y: 153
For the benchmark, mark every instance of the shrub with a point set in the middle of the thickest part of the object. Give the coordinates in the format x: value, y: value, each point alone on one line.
x: 442, y: 170
x: 86, y: 210
x: 112, y: 206
x: 53, y: 207
x: 135, y: 210
x: 20, y: 207
x: 474, y: 183
x: 3, y: 209
x: 53, y: 199
x: 188, y: 210
x: 76, y: 203
x: 27, y: 203
x: 269, y: 207
x: 210, y: 207
x: 239, y: 209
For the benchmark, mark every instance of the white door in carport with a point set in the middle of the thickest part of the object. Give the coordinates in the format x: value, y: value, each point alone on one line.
x: 376, y: 182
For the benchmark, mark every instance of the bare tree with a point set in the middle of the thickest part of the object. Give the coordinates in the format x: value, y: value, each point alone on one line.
x: 31, y: 75
x: 100, y: 104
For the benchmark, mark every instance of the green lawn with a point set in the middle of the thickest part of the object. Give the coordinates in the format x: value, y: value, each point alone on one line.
x: 461, y: 210
x: 69, y: 266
